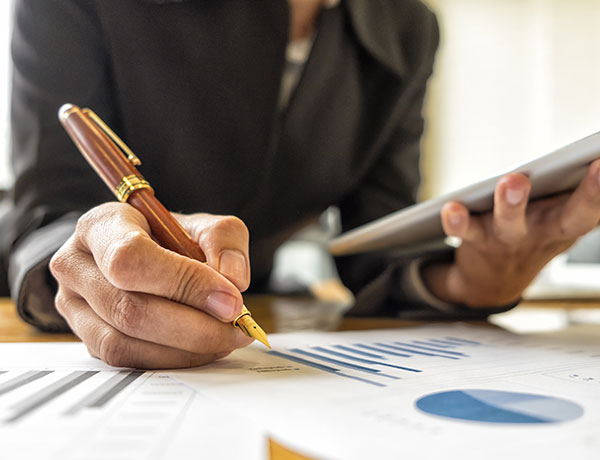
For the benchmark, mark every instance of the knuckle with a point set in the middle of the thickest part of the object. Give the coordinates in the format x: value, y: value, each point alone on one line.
x: 200, y: 360
x: 114, y: 349
x: 129, y: 312
x: 61, y: 261
x: 212, y: 342
x: 564, y: 231
x: 62, y: 303
x: 86, y: 220
x: 508, y: 239
x: 92, y: 217
x: 230, y: 225
x: 191, y: 360
x: 188, y: 282
x: 215, y: 338
x: 123, y: 259
x: 569, y: 228
x: 58, y: 263
x: 512, y: 237
x: 92, y: 352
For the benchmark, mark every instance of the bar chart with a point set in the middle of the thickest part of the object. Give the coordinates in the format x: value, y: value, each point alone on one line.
x: 89, y: 413
x: 378, y: 363
x: 58, y: 403
x: 26, y: 402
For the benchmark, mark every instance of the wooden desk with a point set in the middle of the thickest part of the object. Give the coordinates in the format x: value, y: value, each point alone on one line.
x: 13, y: 329
x: 269, y: 312
x: 274, y: 315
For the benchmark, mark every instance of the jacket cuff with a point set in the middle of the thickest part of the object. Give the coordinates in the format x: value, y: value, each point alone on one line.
x: 399, y: 291
x: 31, y: 284
x: 415, y: 289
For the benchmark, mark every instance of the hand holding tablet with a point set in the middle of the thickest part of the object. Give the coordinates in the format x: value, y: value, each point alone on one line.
x: 510, y: 226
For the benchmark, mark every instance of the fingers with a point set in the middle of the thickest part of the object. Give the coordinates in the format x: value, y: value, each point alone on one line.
x: 510, y: 203
x: 224, y: 240
x: 581, y: 212
x: 508, y: 223
x: 147, y: 317
x: 117, y: 349
x: 117, y: 237
x: 457, y: 222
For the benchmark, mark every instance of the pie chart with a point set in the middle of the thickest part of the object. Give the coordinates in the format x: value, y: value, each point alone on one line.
x: 495, y: 406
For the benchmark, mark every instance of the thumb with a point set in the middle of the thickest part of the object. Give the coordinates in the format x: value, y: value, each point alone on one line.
x: 224, y: 241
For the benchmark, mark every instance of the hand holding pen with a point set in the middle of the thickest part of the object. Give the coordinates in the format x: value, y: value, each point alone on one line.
x: 133, y: 302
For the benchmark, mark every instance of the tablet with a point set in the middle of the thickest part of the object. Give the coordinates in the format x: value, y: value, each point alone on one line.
x: 556, y: 172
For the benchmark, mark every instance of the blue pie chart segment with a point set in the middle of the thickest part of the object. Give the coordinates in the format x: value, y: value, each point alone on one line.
x: 493, y: 406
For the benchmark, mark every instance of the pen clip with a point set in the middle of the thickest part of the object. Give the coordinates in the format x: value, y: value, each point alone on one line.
x: 133, y: 159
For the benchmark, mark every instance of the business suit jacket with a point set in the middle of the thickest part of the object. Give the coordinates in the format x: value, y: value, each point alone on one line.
x: 192, y: 87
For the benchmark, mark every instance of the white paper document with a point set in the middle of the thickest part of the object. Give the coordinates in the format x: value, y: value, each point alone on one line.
x: 58, y: 403
x: 429, y: 392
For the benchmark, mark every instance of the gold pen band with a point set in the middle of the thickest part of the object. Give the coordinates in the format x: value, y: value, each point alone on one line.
x: 245, y: 312
x: 130, y: 184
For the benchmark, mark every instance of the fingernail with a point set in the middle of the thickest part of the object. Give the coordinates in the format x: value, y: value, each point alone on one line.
x: 232, y: 264
x: 514, y: 196
x: 456, y: 219
x: 222, y: 304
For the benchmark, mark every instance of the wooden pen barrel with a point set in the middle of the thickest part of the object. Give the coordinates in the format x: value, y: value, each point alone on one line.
x: 121, y: 176
x: 165, y: 228
x: 96, y: 147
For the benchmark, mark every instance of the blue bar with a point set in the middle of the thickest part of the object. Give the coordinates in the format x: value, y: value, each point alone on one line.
x: 362, y: 360
x: 323, y: 368
x: 358, y: 352
x: 387, y: 352
x: 435, y: 350
x: 431, y: 343
x: 456, y: 339
x: 344, y: 355
x: 354, y: 367
x: 445, y: 342
x: 417, y: 352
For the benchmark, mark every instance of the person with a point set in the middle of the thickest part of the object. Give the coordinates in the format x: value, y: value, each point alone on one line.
x: 247, y: 146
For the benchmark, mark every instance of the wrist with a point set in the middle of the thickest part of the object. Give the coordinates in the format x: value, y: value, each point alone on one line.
x: 446, y: 283
x: 435, y: 277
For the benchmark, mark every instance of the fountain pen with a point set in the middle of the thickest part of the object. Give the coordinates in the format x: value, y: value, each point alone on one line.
x: 115, y: 163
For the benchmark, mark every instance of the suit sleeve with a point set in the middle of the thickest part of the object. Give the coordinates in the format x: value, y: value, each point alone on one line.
x: 58, y: 57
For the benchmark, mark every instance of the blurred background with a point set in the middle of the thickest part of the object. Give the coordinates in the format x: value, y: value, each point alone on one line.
x: 514, y: 79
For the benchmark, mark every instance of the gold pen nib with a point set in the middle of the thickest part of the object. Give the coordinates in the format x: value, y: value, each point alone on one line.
x: 248, y: 326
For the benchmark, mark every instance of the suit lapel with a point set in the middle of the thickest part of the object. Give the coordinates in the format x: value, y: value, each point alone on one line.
x: 375, y: 23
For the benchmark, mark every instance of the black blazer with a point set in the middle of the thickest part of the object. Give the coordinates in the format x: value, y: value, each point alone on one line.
x: 192, y: 87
